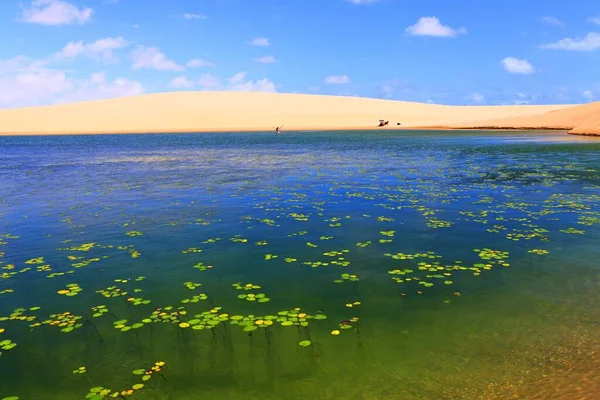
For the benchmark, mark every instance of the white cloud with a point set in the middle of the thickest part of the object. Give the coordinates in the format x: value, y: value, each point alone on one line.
x: 590, y: 42
x: 595, y: 20
x: 553, y: 21
x: 181, y: 82
x: 237, y: 83
x: 517, y: 66
x: 193, y: 16
x: 391, y: 86
x: 49, y: 86
x: 197, y: 63
x: 589, y: 95
x: 152, y: 57
x: 101, y: 49
x: 261, y: 85
x: 237, y: 78
x: 13, y: 64
x: 263, y: 41
x: 209, y: 82
x: 31, y: 88
x: 55, y: 12
x: 96, y: 87
x: 265, y: 60
x: 362, y: 2
x: 431, y: 26
x: 22, y: 64
x: 476, y: 97
x: 337, y: 79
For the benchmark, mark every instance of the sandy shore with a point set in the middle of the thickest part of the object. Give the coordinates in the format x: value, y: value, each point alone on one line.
x: 243, y: 111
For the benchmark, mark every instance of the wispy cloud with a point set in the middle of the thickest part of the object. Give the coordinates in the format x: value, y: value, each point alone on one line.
x: 265, y: 60
x: 553, y: 21
x: 193, y: 16
x: 152, y: 57
x: 55, y: 12
x: 260, y: 85
x: 390, y: 87
x: 261, y: 41
x: 337, y: 79
x: 48, y: 86
x: 476, y: 98
x: 197, y: 63
x: 102, y: 49
x: 517, y: 66
x: 590, y: 42
x: 363, y: 2
x: 97, y: 87
x: 181, y: 82
x: 209, y: 82
x: 431, y: 26
x: 236, y: 83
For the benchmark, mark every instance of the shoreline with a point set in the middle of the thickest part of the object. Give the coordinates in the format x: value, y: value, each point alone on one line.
x: 292, y: 129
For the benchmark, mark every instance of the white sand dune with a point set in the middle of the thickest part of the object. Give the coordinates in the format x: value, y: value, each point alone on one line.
x: 580, y: 119
x: 243, y: 111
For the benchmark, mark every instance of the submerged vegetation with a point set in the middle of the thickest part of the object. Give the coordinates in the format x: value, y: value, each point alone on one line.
x: 243, y: 276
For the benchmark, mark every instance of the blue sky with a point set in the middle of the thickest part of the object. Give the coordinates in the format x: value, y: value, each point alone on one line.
x: 441, y: 51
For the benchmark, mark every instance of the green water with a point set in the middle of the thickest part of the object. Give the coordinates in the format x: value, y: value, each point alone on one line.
x: 401, y: 214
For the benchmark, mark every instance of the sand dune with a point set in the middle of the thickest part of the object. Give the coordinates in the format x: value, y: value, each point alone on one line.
x: 235, y: 111
x: 581, y: 119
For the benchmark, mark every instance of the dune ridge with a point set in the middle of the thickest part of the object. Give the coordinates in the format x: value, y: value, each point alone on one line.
x: 247, y: 111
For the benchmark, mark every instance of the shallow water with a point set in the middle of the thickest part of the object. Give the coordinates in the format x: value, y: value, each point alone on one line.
x: 454, y: 326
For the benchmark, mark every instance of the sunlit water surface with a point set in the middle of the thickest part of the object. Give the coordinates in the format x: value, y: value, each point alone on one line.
x: 137, y: 216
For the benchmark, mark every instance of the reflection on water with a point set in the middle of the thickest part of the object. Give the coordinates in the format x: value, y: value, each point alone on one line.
x: 425, y: 265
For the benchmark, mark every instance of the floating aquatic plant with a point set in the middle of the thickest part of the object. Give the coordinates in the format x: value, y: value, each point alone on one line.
x: 195, y: 299
x: 137, y: 301
x: 38, y: 260
x: 192, y: 285
x: 201, y: 267
x: 72, y: 289
x: 191, y: 250
x: 538, y: 251
x: 112, y: 291
x: 81, y: 247
x: 573, y: 231
x: 101, y: 393
x: 80, y: 370
x: 99, y: 311
x: 347, y: 278
x: 251, y: 295
x: 66, y: 321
